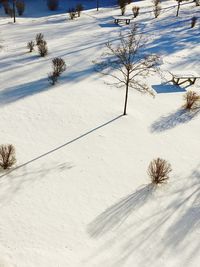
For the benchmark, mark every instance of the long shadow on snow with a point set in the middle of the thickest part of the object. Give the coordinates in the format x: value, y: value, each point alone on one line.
x: 173, y: 119
x: 18, y: 92
x: 62, y: 146
x: 119, y: 212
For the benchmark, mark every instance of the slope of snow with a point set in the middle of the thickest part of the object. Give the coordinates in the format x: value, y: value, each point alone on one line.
x: 80, y: 194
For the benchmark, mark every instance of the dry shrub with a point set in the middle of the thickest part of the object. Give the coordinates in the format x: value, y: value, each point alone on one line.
x: 122, y: 4
x: 30, y: 46
x: 53, y: 4
x: 135, y: 10
x: 157, y: 8
x: 72, y: 13
x: 39, y: 38
x: 159, y: 170
x: 20, y: 5
x: 192, y: 100
x: 43, y: 49
x: 7, y: 156
x: 59, y: 67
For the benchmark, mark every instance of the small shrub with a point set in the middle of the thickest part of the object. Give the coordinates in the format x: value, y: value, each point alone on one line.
x: 122, y: 4
x: 7, y: 156
x: 159, y: 170
x: 193, y: 22
x: 43, y: 49
x: 79, y: 9
x: 59, y: 67
x: 39, y: 38
x: 53, y: 4
x: 135, y: 10
x: 192, y: 100
x: 72, y: 13
x: 30, y: 46
x: 10, y: 12
x: 20, y: 5
x: 157, y: 8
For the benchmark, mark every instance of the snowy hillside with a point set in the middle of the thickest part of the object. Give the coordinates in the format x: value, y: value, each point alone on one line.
x: 79, y: 194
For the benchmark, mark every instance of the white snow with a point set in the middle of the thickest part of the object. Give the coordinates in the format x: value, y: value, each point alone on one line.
x: 79, y: 194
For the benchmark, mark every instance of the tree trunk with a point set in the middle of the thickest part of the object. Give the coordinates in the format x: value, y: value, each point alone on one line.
x: 14, y: 13
x: 97, y: 5
x: 126, y: 97
x: 179, y: 3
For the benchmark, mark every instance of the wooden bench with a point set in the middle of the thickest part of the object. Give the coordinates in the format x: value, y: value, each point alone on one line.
x: 125, y: 19
x: 179, y: 79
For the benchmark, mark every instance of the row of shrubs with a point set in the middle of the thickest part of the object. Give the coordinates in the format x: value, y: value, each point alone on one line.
x: 156, y: 9
x: 58, y: 64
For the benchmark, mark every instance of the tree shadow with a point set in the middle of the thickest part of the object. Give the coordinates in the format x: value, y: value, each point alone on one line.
x: 119, y: 212
x: 13, y: 183
x: 62, y: 146
x: 174, y: 119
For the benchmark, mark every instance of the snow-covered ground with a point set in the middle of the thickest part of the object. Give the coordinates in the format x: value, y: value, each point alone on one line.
x: 80, y: 193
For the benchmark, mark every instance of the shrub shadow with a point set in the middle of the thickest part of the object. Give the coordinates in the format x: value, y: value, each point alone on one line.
x: 173, y: 119
x: 119, y: 212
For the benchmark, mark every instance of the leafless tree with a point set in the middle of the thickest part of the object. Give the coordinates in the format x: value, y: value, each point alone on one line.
x: 7, y: 156
x: 126, y: 64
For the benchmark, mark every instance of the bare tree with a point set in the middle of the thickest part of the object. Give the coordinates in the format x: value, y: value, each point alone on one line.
x: 126, y: 64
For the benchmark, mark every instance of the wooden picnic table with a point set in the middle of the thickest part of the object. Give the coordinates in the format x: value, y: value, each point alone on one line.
x: 178, y: 79
x: 127, y: 19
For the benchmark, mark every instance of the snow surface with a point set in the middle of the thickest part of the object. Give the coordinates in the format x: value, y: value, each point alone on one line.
x: 80, y: 194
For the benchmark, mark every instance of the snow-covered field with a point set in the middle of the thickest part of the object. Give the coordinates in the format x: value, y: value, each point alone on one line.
x: 80, y: 193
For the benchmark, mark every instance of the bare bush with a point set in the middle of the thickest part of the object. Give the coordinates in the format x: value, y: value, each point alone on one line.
x: 7, y: 156
x: 52, y: 4
x: 193, y: 22
x: 43, y: 49
x: 59, y: 67
x: 159, y: 170
x: 20, y: 5
x: 122, y: 4
x: 157, y: 8
x: 192, y: 100
x: 79, y: 9
x: 30, y: 46
x: 39, y: 38
x: 72, y: 13
x: 135, y: 10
